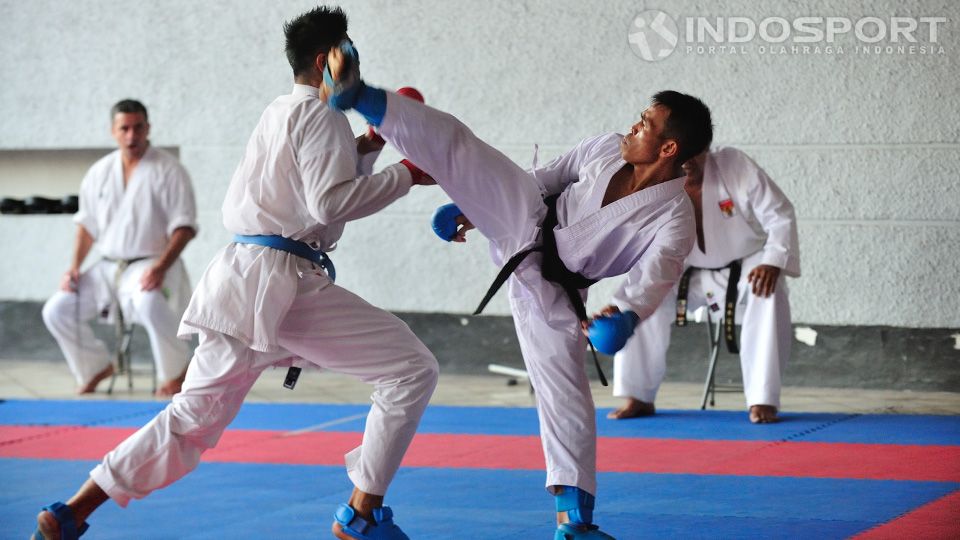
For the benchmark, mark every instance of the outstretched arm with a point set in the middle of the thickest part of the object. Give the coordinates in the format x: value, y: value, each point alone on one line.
x: 334, y: 191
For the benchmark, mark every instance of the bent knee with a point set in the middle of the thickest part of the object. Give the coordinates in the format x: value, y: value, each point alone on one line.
x: 200, y: 418
x: 426, y: 369
x: 56, y: 308
x: 151, y: 305
x: 430, y: 370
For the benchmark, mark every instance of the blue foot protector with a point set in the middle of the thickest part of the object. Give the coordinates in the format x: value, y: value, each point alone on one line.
x: 445, y: 221
x: 610, y: 333
x: 68, y: 524
x: 382, y: 528
x: 570, y: 531
x: 350, y: 92
x: 578, y: 504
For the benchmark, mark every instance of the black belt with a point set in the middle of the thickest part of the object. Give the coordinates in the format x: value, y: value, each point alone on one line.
x: 553, y: 270
x: 126, y: 262
x: 730, y: 309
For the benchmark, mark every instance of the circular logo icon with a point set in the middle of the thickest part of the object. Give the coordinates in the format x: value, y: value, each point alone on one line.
x: 653, y: 35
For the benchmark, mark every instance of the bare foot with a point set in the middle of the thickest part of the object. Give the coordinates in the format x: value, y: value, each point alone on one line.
x: 763, y: 414
x: 91, y: 385
x: 48, y: 526
x: 632, y: 409
x: 337, y: 531
x: 171, y: 387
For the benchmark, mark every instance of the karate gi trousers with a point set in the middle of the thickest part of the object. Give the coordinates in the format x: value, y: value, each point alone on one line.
x: 765, y: 337
x: 68, y: 315
x: 327, y: 326
x: 505, y: 204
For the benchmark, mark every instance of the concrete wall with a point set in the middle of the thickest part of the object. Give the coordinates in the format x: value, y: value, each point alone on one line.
x: 866, y: 145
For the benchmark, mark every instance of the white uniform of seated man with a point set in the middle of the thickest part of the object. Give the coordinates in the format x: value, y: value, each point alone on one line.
x: 745, y: 217
x: 137, y: 205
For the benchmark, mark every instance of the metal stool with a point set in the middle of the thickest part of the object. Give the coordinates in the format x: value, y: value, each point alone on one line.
x: 122, y: 364
x: 710, y: 386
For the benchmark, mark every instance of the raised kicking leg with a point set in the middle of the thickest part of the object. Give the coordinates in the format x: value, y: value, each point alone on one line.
x: 501, y: 200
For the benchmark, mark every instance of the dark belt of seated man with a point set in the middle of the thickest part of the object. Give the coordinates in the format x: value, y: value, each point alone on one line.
x: 730, y: 309
x: 125, y: 262
x: 553, y: 270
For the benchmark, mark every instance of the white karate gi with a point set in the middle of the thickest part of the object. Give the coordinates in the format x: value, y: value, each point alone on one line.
x: 257, y: 307
x: 127, y: 223
x: 645, y: 235
x: 759, y: 229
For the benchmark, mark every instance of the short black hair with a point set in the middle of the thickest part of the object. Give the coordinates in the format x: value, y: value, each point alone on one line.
x: 128, y: 106
x: 312, y: 33
x: 689, y: 123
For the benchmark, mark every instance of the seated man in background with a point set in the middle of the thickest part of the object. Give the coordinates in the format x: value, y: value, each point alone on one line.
x: 743, y: 220
x: 137, y: 204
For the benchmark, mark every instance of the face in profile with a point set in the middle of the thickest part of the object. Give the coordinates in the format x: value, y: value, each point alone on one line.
x: 644, y: 143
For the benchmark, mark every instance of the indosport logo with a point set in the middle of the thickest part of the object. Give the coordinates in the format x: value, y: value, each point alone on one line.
x: 653, y: 35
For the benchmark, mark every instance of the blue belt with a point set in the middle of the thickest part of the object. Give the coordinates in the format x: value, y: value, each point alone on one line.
x: 300, y: 249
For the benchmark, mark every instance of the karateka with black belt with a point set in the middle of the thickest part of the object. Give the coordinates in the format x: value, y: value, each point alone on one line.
x: 746, y: 228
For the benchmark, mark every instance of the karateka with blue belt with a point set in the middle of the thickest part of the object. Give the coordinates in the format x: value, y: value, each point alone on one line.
x: 268, y: 299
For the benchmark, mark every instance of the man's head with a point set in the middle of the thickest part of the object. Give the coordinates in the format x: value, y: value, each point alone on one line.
x: 674, y: 128
x: 312, y: 35
x: 130, y: 127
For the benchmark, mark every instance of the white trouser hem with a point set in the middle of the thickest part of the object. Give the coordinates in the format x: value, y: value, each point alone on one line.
x: 582, y: 480
x: 102, y: 477
x: 648, y: 395
x: 361, y: 482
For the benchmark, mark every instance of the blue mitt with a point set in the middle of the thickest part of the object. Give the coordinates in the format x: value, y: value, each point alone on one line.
x: 445, y: 221
x: 610, y: 333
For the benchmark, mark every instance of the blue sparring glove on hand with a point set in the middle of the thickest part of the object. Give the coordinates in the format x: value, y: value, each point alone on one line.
x: 610, y: 333
x: 445, y: 221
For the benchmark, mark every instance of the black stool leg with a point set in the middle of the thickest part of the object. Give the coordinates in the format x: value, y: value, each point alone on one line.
x: 713, y: 337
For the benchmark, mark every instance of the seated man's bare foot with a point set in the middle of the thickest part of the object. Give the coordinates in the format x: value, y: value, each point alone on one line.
x: 91, y: 385
x: 171, y: 387
x: 632, y: 409
x: 763, y: 414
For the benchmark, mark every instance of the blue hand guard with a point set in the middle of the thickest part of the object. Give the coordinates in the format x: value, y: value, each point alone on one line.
x: 609, y: 334
x: 445, y: 221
